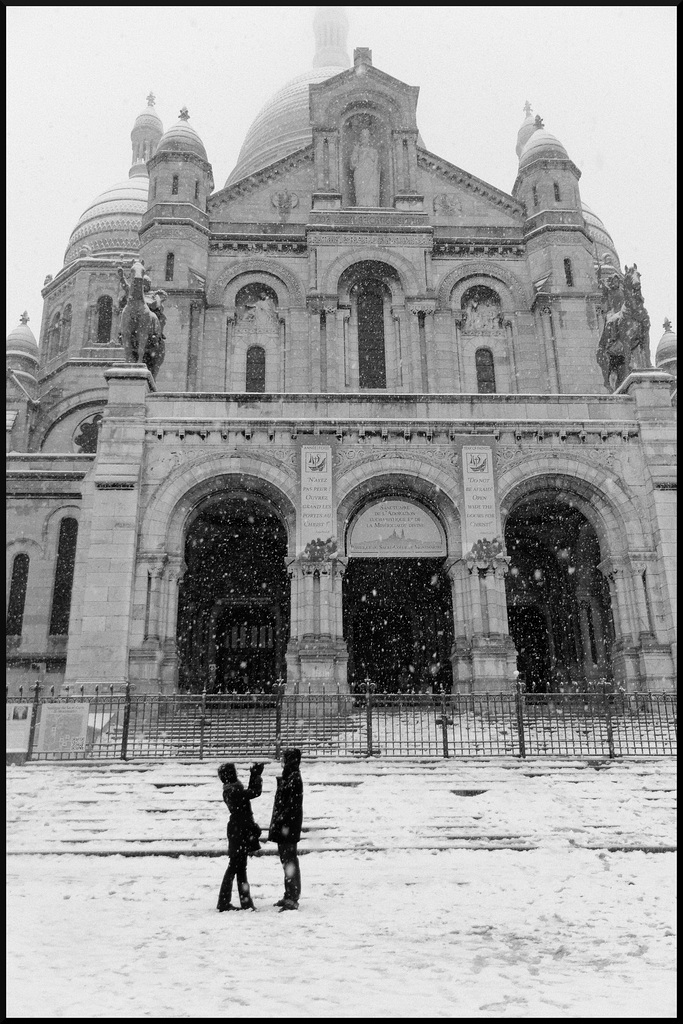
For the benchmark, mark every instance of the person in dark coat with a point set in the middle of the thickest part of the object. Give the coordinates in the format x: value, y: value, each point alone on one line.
x: 243, y: 833
x: 285, y: 826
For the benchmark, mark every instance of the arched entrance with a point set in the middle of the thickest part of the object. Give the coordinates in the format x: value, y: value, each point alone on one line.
x: 233, y: 611
x: 558, y: 601
x: 397, y: 608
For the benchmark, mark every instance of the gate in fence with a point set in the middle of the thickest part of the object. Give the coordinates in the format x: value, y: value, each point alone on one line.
x: 109, y: 726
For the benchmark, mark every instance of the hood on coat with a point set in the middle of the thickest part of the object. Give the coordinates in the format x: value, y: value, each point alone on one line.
x: 227, y: 773
x: 291, y: 759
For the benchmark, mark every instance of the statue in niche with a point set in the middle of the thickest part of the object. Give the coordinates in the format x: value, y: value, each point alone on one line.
x: 262, y: 313
x: 364, y: 165
x: 482, y: 312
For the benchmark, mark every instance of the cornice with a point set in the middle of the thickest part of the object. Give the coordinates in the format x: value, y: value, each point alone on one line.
x: 456, y: 175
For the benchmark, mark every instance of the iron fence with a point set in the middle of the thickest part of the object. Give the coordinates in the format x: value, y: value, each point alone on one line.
x: 126, y: 726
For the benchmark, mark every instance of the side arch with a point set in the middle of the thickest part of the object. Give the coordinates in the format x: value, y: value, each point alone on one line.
x: 170, y: 508
x: 259, y: 267
x: 515, y: 296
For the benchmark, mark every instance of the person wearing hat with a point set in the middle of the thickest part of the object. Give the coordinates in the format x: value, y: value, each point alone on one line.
x: 285, y: 826
x: 243, y: 833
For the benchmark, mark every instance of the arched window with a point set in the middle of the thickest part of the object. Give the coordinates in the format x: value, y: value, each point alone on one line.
x: 17, y: 596
x: 53, y: 337
x: 65, y: 332
x: 534, y: 192
x: 174, y: 185
x: 104, y: 318
x: 569, y: 276
x: 64, y: 578
x: 256, y: 369
x: 372, y: 372
x: 196, y: 190
x: 486, y: 378
x: 556, y: 189
x: 170, y: 266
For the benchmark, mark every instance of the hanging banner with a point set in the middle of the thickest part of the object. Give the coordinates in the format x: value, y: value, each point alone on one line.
x: 18, y: 723
x: 63, y: 728
x: 395, y: 529
x: 480, y: 521
x: 317, y: 531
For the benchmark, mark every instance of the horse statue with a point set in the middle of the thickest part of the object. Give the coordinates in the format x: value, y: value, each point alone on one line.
x: 142, y: 319
x: 625, y: 341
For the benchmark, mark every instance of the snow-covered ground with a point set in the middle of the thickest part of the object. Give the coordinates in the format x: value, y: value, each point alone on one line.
x: 430, y: 889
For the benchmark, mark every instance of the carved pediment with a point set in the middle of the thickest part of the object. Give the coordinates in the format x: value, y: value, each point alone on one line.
x: 455, y: 196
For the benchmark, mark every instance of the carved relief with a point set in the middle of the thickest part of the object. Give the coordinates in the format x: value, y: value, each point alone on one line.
x: 284, y: 202
x: 348, y: 456
x: 447, y: 204
x: 483, y: 314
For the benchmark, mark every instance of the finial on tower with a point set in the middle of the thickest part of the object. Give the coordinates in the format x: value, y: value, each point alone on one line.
x: 184, y: 116
x: 666, y: 325
x: 527, y: 108
x: 150, y: 99
x: 24, y: 318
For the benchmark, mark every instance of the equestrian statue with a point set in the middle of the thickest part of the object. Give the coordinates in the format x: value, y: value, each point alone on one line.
x: 142, y: 319
x: 625, y: 341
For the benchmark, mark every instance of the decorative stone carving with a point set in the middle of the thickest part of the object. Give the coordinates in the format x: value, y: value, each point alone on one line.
x: 87, y: 434
x: 447, y: 204
x: 488, y: 554
x: 284, y: 202
x: 483, y: 315
x: 625, y: 340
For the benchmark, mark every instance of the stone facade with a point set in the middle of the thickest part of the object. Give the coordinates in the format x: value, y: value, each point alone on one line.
x: 386, y: 339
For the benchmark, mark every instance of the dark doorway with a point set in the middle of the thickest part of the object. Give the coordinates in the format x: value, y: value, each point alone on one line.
x: 233, y: 612
x: 558, y: 601
x: 398, y: 621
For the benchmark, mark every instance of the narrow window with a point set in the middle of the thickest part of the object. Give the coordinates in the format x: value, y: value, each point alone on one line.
x: 534, y: 192
x: 170, y: 265
x: 371, y: 358
x: 556, y: 189
x: 17, y: 596
x: 64, y: 578
x: 256, y: 369
x: 486, y: 378
x: 104, y: 318
x: 65, y: 332
x: 568, y: 273
x: 196, y: 190
x: 174, y: 185
x: 53, y: 338
x: 154, y: 189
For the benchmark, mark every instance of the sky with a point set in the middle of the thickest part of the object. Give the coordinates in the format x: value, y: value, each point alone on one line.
x: 443, y: 889
x: 602, y: 78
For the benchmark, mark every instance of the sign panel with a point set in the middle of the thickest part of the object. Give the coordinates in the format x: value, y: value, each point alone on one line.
x: 396, y: 529
x: 480, y: 519
x: 63, y: 728
x: 18, y: 723
x: 317, y: 514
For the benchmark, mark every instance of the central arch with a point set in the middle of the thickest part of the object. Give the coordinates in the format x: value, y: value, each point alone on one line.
x: 397, y: 607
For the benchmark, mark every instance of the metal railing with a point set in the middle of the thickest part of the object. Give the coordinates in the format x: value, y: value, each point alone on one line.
x: 126, y: 726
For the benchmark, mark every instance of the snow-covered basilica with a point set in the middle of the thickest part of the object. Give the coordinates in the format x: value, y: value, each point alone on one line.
x: 353, y: 415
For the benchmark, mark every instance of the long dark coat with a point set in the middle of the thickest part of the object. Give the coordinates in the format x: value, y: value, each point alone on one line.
x: 288, y: 809
x: 243, y: 832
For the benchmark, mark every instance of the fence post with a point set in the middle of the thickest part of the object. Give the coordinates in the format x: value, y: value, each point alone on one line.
x: 279, y: 697
x: 520, y: 718
x: 368, y: 713
x: 608, y: 721
x: 444, y: 723
x: 126, y: 724
x: 34, y: 720
x: 202, y: 724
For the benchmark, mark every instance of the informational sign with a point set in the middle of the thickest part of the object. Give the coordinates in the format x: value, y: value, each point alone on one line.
x: 480, y: 519
x: 18, y: 722
x: 63, y: 728
x: 396, y: 529
x: 317, y: 514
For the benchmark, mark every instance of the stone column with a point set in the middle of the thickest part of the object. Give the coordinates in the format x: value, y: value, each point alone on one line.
x: 317, y: 655
x: 624, y: 655
x: 175, y: 570
x: 99, y: 642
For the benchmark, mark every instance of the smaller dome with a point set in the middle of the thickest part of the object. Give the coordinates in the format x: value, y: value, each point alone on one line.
x: 600, y: 235
x: 22, y: 351
x: 666, y: 349
x: 110, y: 224
x: 182, y: 138
x: 542, y: 144
x: 149, y: 117
x: 527, y: 129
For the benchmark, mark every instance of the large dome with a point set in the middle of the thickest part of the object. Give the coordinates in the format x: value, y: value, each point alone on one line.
x: 109, y: 226
x: 282, y: 126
